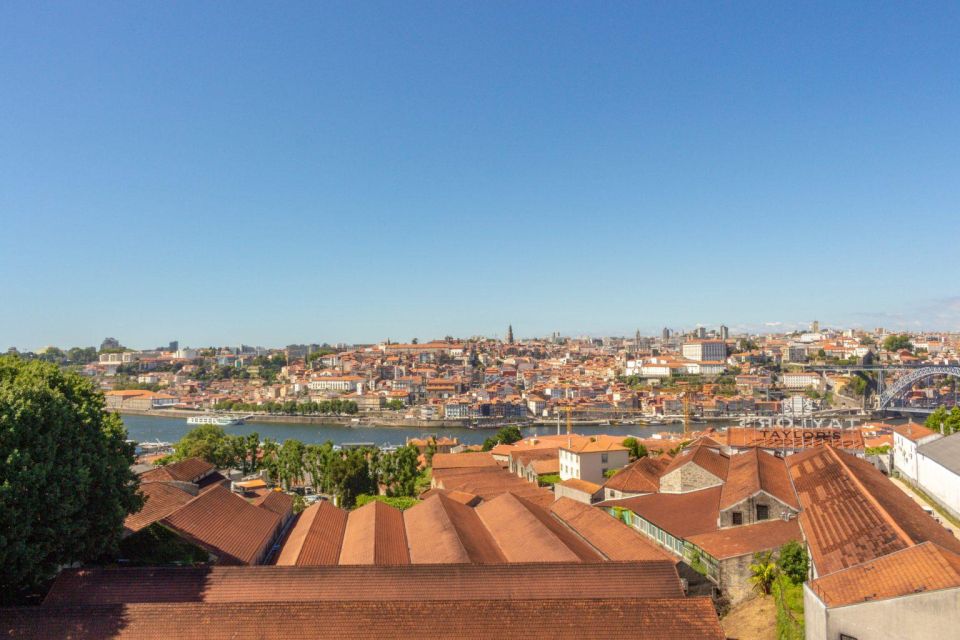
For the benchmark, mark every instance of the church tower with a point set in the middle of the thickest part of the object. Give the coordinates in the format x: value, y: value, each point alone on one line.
x: 510, y: 334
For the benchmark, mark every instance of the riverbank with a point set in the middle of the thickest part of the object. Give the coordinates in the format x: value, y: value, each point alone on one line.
x: 380, y: 421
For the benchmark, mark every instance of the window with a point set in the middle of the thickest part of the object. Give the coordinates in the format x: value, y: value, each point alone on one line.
x: 603, y: 458
x: 737, y: 517
x: 763, y: 512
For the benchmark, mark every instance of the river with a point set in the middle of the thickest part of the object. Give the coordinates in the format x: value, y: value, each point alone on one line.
x: 150, y: 429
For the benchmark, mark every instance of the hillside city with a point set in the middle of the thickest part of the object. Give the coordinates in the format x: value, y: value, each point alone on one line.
x: 803, y: 483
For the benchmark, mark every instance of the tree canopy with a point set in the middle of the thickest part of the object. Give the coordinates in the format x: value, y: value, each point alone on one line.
x: 65, y: 479
x: 943, y: 421
x: 897, y: 342
x: 506, y: 435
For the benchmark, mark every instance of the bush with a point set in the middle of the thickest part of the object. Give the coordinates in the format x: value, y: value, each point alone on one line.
x: 548, y: 478
x: 794, y: 562
x: 400, y: 502
x: 789, y: 600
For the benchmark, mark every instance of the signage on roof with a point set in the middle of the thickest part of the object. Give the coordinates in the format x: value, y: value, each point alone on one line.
x: 786, y: 422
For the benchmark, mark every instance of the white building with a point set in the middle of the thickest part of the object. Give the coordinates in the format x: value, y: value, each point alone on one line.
x: 799, y: 380
x: 710, y: 350
x: 336, y: 383
x: 591, y: 460
x: 938, y: 471
x: 906, y: 439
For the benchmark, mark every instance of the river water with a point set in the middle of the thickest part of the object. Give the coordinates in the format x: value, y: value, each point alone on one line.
x: 150, y: 429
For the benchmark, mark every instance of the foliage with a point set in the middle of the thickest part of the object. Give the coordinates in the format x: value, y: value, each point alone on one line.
x: 696, y: 561
x: 609, y: 473
x: 763, y: 572
x: 897, y: 342
x: 788, y: 597
x: 548, y: 479
x: 423, y: 481
x: 395, y: 405
x: 794, y: 562
x: 299, y: 504
x: 636, y: 448
x: 211, y: 443
x: 943, y: 421
x: 351, y: 473
x: 65, y: 479
x: 878, y: 451
x: 399, y: 470
x: 858, y: 386
x: 400, y: 502
x: 430, y: 451
x: 292, y: 407
x: 158, y: 545
x: 506, y: 435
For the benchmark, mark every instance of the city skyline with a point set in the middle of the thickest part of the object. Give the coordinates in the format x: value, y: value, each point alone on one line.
x: 364, y: 171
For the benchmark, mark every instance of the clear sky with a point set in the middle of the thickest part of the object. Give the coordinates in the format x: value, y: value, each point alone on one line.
x: 307, y: 172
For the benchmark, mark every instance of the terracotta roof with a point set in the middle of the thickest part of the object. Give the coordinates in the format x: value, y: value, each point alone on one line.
x: 316, y: 536
x: 664, y: 619
x: 777, y: 438
x: 924, y: 567
x: 754, y: 471
x: 527, y: 533
x: 913, y: 431
x: 739, y: 541
x: 189, y: 470
x: 843, y: 525
x: 162, y: 499
x: 489, y: 482
x: 581, y: 485
x: 614, y: 539
x: 277, y: 502
x: 110, y: 586
x: 375, y: 535
x: 441, y: 529
x: 704, y: 456
x: 226, y: 525
x: 461, y: 460
x: 681, y: 514
x: 642, y: 476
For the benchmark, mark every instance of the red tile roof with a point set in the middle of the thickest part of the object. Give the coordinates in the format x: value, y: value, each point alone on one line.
x: 614, y: 618
x: 704, y: 456
x: 609, y: 536
x: 681, y: 514
x: 442, y: 529
x: 375, y: 535
x: 162, y: 499
x: 315, y: 538
x: 111, y: 586
x: 226, y: 525
x: 461, y: 460
x: 642, y: 476
x: 739, y: 541
x: 853, y: 514
x: 189, y: 470
x: 754, y: 471
x: 913, y: 431
x: 921, y: 568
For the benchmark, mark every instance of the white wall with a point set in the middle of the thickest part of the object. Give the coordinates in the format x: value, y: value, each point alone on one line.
x: 923, y: 616
x: 939, y: 483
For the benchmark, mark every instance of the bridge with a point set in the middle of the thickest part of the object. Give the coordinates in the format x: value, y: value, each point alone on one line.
x: 887, y: 395
x: 906, y: 382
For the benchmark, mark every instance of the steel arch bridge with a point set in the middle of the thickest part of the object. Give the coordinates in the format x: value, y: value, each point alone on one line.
x: 906, y: 382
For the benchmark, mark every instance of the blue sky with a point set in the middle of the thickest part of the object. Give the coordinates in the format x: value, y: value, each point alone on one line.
x: 276, y: 173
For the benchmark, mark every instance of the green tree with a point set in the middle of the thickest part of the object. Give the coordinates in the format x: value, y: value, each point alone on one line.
x: 430, y: 451
x: 65, y: 479
x: 352, y: 473
x: 943, y: 421
x: 896, y: 343
x: 209, y: 442
x: 506, y: 435
x: 763, y: 572
x: 399, y: 471
x: 395, y: 405
x: 794, y: 562
x: 636, y: 448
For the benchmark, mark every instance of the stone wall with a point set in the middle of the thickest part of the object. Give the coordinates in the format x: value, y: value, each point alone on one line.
x: 689, y: 477
x: 748, y: 508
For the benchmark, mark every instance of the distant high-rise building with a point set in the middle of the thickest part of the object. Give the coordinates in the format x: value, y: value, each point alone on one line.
x: 174, y: 345
x: 510, y: 334
x: 666, y: 334
x: 815, y: 326
x: 701, y: 332
x: 724, y: 332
